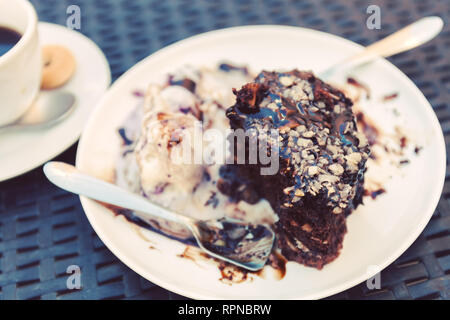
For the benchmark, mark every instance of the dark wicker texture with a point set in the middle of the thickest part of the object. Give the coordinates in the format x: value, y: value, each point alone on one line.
x: 43, y: 229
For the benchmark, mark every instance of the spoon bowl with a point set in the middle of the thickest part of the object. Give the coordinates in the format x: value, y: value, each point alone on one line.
x: 47, y: 110
x: 235, y: 241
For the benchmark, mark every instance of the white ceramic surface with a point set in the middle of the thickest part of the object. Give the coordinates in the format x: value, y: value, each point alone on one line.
x: 20, y: 67
x: 378, y: 232
x: 21, y: 151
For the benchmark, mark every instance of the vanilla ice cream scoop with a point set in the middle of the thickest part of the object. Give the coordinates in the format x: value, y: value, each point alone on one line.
x: 160, y: 159
x: 165, y: 153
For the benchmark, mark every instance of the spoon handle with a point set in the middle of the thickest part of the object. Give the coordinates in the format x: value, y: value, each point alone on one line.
x: 69, y: 178
x: 404, y: 39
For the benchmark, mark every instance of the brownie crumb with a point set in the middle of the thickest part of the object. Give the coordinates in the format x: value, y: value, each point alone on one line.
x: 403, y: 141
x: 374, y: 194
x: 403, y: 162
x: 356, y: 83
x: 390, y: 97
x: 249, y: 97
x: 125, y: 140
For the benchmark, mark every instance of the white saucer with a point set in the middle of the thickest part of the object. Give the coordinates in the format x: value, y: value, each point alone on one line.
x: 21, y: 152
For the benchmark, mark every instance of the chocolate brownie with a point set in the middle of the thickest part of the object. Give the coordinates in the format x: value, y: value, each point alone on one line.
x: 322, y: 160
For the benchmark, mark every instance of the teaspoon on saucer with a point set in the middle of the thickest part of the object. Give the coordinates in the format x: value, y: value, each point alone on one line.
x: 46, y: 111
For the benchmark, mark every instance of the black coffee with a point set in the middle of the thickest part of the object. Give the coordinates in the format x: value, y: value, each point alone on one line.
x: 8, y: 39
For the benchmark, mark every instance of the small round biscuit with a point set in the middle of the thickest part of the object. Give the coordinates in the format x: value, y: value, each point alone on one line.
x: 58, y: 66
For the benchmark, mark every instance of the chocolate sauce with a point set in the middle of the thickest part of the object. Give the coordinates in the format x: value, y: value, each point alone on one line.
x: 389, y: 97
x: 229, y: 67
x: 230, y: 237
x: 186, y: 83
x: 125, y: 140
x: 374, y: 194
x: 370, y: 130
x: 231, y: 274
x: 357, y: 84
x: 403, y: 141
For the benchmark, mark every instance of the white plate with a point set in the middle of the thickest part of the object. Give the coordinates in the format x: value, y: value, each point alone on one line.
x: 23, y: 151
x: 378, y: 232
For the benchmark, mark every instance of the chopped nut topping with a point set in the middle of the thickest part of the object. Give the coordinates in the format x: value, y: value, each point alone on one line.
x: 286, y: 81
x: 337, y: 210
x: 312, y: 171
x: 336, y: 169
x: 323, y: 152
x: 306, y: 227
x: 288, y: 189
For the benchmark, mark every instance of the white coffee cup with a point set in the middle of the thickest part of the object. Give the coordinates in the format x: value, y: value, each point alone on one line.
x: 21, y: 66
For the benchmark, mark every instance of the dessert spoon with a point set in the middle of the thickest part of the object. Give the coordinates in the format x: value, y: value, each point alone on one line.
x: 243, y: 244
x: 47, y: 110
x: 407, y: 38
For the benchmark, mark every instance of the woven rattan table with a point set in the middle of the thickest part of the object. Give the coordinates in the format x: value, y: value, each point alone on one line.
x: 43, y: 229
